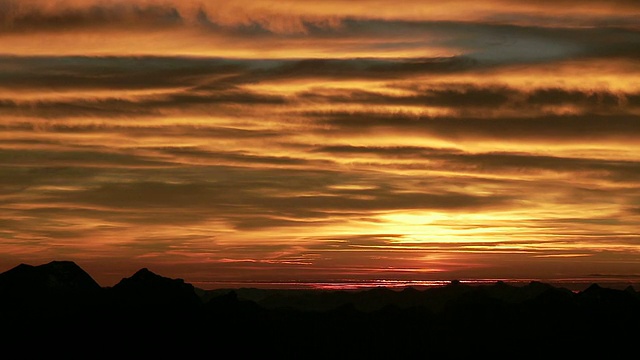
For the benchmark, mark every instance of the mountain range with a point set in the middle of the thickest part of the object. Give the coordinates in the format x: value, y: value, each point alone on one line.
x: 57, y: 308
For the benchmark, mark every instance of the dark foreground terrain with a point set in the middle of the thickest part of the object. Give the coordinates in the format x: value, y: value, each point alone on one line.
x: 57, y: 309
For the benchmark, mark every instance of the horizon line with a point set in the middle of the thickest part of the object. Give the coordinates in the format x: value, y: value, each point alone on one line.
x: 346, y: 284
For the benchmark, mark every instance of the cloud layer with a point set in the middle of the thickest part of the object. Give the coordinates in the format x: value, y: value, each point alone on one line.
x: 305, y: 141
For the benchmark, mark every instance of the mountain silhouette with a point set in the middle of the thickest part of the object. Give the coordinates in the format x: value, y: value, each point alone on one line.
x: 58, y: 305
x: 54, y: 276
x: 50, y: 290
x: 149, y: 290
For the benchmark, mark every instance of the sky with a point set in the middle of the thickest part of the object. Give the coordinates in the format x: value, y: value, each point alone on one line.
x: 322, y: 141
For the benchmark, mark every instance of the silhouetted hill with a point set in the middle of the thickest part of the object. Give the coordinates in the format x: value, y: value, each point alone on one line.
x: 40, y: 303
x: 434, y: 298
x: 55, y: 276
x: 51, y: 289
x: 146, y: 289
x: 149, y: 315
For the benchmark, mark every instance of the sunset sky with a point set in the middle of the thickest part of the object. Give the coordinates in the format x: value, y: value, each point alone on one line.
x: 283, y: 141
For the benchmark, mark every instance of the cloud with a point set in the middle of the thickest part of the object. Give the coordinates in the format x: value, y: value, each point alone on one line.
x: 545, y: 128
x: 462, y: 96
x: 494, y: 162
x: 231, y: 200
x: 231, y: 88
x: 40, y: 16
x: 114, y: 72
x: 521, y: 36
x: 136, y: 107
x: 47, y: 159
x: 122, y: 72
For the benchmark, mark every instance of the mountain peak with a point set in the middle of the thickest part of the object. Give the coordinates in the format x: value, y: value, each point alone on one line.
x: 145, y: 273
x: 55, y: 275
x: 147, y: 286
x: 146, y: 277
x: 593, y: 289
